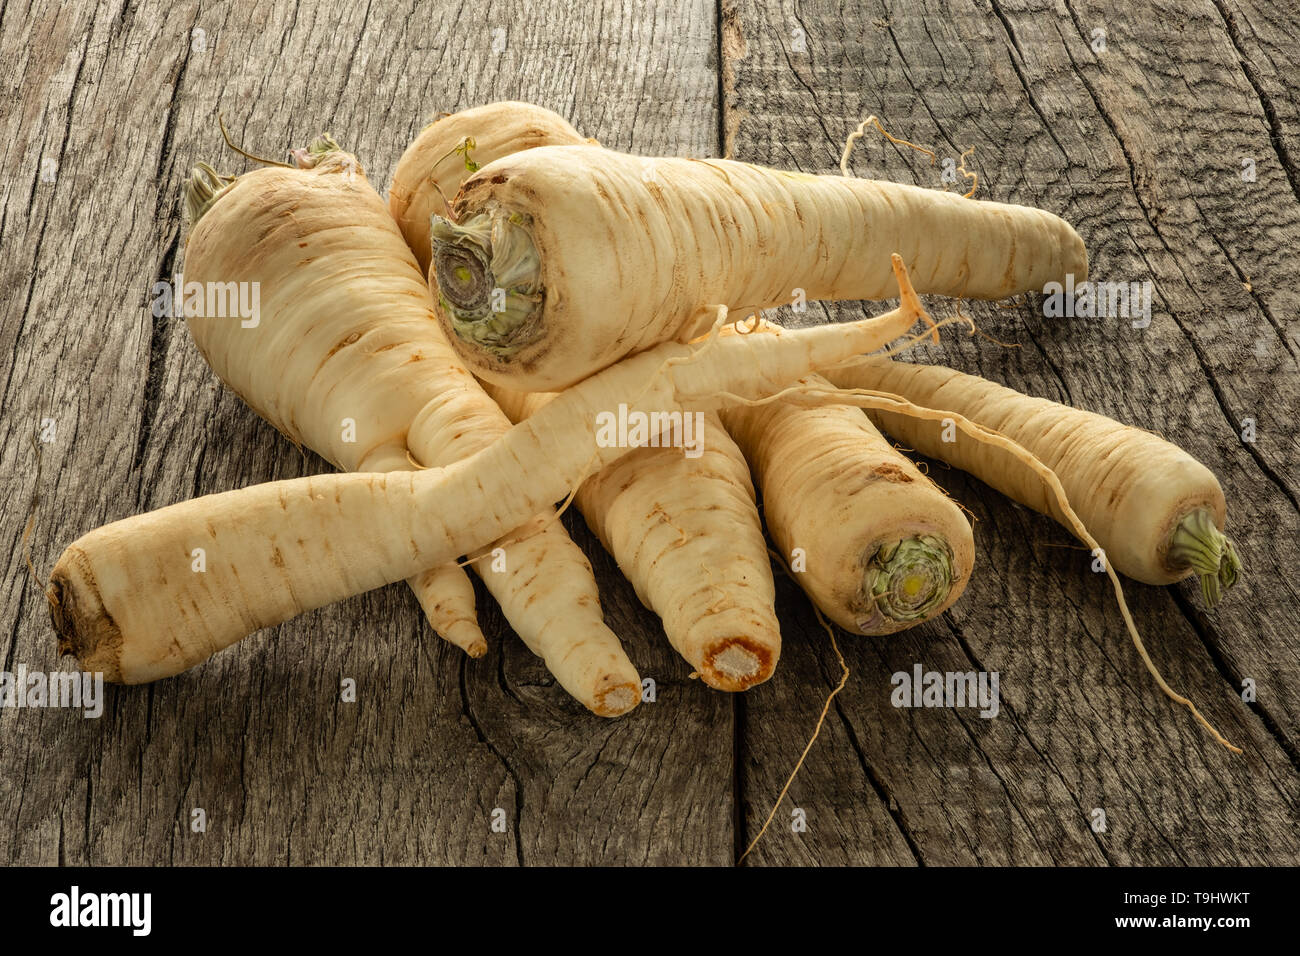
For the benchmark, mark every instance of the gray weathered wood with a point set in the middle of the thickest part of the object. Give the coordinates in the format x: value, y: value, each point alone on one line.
x: 125, y: 103
x: 1141, y: 146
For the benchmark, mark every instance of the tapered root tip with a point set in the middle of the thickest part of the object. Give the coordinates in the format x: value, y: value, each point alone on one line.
x: 85, y: 629
x: 736, y: 664
x: 615, y: 697
x: 467, y: 636
x: 908, y: 300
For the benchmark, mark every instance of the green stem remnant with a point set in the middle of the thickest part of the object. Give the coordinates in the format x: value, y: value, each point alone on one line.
x: 1199, y: 544
x: 320, y: 147
x: 488, y: 275
x: 906, y: 580
x: 203, y: 187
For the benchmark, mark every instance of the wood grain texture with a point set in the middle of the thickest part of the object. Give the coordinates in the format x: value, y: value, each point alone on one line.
x: 126, y: 100
x: 1140, y: 146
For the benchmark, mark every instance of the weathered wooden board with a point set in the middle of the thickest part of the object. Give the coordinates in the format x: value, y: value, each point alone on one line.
x: 1140, y: 145
x: 125, y: 100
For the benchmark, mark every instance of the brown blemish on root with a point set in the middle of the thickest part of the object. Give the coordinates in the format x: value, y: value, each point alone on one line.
x: 464, y: 198
x: 350, y: 340
x: 891, y: 472
x: 1009, y: 275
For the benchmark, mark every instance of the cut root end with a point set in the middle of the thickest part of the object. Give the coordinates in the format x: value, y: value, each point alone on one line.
x: 488, y: 275
x: 736, y: 664
x: 616, y: 699
x: 1199, y: 544
x: 85, y: 630
x: 905, y: 582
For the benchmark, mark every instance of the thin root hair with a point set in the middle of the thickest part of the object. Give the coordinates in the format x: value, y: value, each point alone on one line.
x: 821, y: 720
x: 221, y: 121
x: 858, y: 133
x: 886, y: 401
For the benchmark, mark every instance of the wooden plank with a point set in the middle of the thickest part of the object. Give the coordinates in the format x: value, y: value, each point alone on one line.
x: 1263, y: 37
x: 1140, y: 147
x: 125, y: 100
